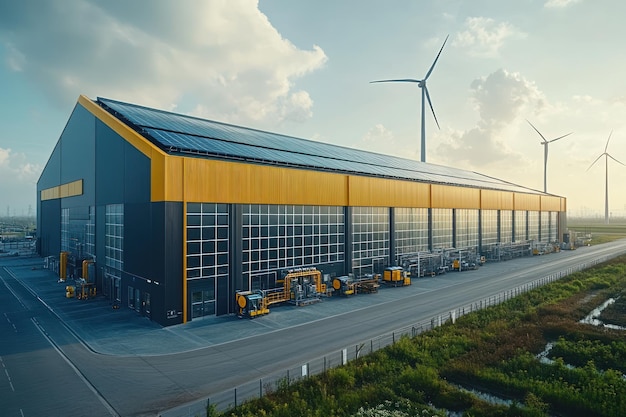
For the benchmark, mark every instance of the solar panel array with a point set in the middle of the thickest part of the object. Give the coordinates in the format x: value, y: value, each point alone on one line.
x: 181, y: 134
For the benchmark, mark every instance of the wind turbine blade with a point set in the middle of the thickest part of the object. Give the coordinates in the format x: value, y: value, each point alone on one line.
x: 435, y: 61
x: 405, y: 80
x: 431, y: 106
x: 537, y: 130
x: 607, y: 142
x: 614, y: 159
x: 560, y: 137
x: 595, y: 161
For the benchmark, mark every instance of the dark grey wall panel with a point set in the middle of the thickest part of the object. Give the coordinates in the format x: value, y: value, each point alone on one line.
x: 137, y: 175
x: 109, y: 166
x: 173, y: 242
x: 49, y: 233
x: 122, y: 171
x: 78, y: 156
x: 72, y: 159
x: 155, y: 266
x: 165, y: 264
x: 51, y: 174
x: 138, y: 239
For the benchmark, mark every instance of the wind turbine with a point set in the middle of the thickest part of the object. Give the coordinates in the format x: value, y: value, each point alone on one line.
x: 545, y: 154
x: 606, y: 168
x: 421, y: 84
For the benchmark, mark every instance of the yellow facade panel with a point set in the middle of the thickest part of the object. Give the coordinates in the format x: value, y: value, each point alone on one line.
x: 496, y: 200
x: 231, y: 182
x: 563, y: 204
x: 76, y: 187
x: 68, y: 189
x: 446, y: 196
x: 64, y: 190
x: 157, y: 177
x: 527, y: 202
x: 379, y: 192
x: 550, y: 203
x: 174, y: 178
x: 310, y: 187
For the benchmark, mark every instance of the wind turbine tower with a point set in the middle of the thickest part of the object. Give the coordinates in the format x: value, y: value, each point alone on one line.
x: 545, y: 144
x: 606, y: 169
x: 421, y: 84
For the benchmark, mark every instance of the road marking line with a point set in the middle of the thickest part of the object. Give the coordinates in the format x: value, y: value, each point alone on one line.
x: 93, y: 389
x: 11, y: 289
x: 8, y: 376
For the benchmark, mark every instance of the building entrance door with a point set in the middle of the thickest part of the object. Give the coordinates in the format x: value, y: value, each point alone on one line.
x: 202, y: 303
x: 146, y: 304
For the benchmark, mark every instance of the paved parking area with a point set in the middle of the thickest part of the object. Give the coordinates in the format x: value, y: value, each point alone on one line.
x: 124, y: 332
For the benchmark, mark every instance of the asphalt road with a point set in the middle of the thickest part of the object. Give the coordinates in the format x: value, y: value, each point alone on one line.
x: 40, y: 380
x: 36, y: 379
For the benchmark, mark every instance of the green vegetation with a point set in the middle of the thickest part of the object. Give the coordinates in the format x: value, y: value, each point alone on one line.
x: 493, y: 351
x: 600, y: 232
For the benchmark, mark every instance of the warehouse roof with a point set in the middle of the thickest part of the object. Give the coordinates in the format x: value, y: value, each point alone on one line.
x: 187, y: 135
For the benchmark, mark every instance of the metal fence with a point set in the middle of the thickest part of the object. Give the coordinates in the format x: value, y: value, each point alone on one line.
x: 257, y: 388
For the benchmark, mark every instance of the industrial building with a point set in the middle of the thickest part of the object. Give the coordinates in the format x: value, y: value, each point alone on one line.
x: 175, y: 214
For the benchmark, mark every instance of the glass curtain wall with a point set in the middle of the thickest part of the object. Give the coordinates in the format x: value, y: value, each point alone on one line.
x: 489, y: 226
x: 545, y: 227
x: 520, y: 225
x: 114, y: 237
x: 466, y: 228
x: 277, y: 237
x: 506, y: 226
x: 554, y: 226
x: 442, y: 228
x: 370, y: 240
x: 411, y: 230
x: 533, y: 225
x: 207, y: 253
x: 65, y: 229
x: 113, y: 249
x: 90, y: 233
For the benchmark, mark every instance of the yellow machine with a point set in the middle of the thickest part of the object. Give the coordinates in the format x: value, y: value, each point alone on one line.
x: 251, y: 304
x: 69, y: 291
x: 348, y: 285
x: 456, y: 265
x: 86, y: 264
x: 396, y: 276
x: 344, y: 286
x: 301, y: 286
x: 87, y: 290
x: 63, y: 266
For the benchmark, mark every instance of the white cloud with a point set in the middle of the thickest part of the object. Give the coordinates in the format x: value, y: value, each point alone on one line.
x: 4, y: 156
x: 298, y: 107
x: 559, y: 4
x: 219, y: 59
x: 502, y: 99
x: 17, y: 175
x: 483, y: 36
x: 502, y: 96
x: 379, y: 139
x: 378, y: 134
x: 13, y: 166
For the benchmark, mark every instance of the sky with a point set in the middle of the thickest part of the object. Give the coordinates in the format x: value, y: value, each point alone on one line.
x: 303, y: 68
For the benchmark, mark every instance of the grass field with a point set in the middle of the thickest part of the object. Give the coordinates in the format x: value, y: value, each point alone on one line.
x: 600, y: 232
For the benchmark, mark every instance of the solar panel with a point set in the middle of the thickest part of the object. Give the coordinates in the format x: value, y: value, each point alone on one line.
x: 177, y: 133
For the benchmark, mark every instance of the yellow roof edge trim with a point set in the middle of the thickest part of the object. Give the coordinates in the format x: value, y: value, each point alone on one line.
x: 119, y: 127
